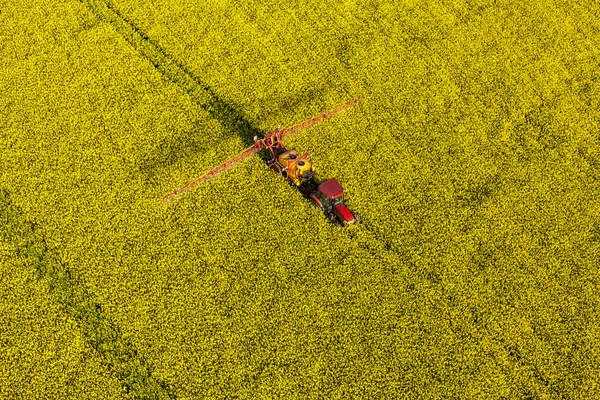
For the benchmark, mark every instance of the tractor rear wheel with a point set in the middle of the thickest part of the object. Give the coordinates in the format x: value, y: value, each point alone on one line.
x: 335, y: 220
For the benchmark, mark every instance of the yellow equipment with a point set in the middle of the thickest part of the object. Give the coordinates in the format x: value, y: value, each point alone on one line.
x: 297, y: 168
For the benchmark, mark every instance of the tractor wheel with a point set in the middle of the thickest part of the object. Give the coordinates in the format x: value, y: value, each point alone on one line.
x: 335, y: 220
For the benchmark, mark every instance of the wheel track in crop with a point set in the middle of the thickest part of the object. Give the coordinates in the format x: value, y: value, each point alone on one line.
x: 99, y: 332
x: 169, y: 66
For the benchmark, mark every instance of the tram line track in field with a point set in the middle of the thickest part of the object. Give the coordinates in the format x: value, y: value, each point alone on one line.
x: 119, y: 354
x: 201, y: 93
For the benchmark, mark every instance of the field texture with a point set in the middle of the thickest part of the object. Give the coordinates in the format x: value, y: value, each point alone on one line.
x: 474, y: 163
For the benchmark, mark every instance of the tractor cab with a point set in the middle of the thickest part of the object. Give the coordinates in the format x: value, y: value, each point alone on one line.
x: 330, y: 193
x: 330, y: 198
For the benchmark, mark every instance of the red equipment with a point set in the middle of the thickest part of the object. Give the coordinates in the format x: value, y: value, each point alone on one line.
x: 329, y: 198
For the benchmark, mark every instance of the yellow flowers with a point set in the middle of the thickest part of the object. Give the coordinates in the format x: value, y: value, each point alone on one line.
x: 457, y: 162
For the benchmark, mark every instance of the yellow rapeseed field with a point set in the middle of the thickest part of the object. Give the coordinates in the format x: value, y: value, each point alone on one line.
x: 473, y: 163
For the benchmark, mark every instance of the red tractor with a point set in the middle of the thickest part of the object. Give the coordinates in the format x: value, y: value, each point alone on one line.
x: 297, y: 168
x: 329, y: 197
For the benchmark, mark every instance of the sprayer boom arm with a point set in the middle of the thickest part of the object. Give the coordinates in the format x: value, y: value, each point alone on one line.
x: 250, y: 151
x: 277, y: 134
x: 318, y: 118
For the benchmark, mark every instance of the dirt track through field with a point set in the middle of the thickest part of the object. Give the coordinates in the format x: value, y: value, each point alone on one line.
x: 117, y: 353
x: 202, y: 94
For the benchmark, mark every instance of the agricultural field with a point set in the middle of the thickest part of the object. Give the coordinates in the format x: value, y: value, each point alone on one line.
x: 473, y: 162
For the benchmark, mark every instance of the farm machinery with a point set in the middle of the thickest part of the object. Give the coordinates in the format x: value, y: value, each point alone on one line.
x: 297, y: 168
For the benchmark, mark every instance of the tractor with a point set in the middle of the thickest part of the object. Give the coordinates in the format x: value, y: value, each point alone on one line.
x: 297, y: 168
x: 328, y: 196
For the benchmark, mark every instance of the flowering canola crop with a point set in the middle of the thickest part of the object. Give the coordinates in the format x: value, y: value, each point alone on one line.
x: 473, y: 163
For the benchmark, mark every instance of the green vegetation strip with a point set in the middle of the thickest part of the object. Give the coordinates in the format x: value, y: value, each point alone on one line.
x: 120, y: 355
x: 202, y: 94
